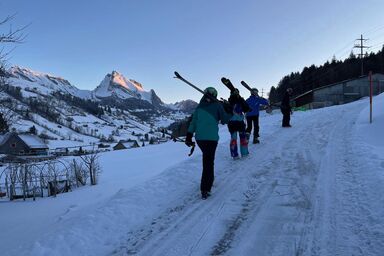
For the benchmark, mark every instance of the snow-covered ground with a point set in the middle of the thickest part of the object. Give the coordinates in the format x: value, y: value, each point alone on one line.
x: 313, y: 189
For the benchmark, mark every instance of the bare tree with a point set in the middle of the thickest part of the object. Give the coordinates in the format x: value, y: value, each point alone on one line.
x: 92, y: 164
x: 10, y: 36
x: 79, y: 172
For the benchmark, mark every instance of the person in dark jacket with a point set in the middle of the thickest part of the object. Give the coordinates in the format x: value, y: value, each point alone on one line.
x: 236, y: 124
x: 254, y: 102
x: 204, y: 125
x: 286, y: 109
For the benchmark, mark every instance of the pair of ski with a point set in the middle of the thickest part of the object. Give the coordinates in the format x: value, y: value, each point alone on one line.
x: 230, y: 86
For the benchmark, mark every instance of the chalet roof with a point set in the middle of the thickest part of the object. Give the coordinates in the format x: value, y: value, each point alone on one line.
x: 127, y: 144
x: 32, y: 141
x: 4, y: 137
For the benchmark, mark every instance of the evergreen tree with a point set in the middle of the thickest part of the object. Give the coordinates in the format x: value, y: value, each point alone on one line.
x: 4, y: 127
x: 33, y: 130
x: 313, y: 77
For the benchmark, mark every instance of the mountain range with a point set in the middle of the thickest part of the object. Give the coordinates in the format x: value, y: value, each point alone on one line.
x: 118, y: 108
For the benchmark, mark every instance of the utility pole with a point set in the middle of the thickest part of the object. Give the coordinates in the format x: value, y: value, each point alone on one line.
x: 361, y: 54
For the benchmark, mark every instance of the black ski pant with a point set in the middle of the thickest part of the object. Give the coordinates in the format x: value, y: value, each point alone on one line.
x: 255, y: 121
x: 208, y: 147
x: 286, y: 117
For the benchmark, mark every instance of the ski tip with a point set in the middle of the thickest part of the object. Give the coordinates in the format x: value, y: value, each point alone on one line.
x: 224, y: 80
x: 177, y: 75
x: 243, y: 83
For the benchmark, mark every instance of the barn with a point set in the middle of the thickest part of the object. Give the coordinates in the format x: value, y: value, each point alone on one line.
x: 12, y: 143
x: 126, y: 144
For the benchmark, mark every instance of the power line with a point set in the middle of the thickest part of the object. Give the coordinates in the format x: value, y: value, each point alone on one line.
x: 340, y: 66
x: 374, y: 29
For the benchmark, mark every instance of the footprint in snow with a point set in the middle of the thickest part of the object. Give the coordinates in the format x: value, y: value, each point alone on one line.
x: 70, y: 209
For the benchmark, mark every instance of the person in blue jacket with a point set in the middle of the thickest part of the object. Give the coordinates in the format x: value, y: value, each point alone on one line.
x: 254, y: 102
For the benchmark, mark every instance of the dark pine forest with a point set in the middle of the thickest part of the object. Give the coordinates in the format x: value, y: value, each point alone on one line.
x: 330, y: 72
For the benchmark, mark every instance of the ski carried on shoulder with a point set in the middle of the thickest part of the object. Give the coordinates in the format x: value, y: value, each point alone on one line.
x: 269, y: 107
x: 246, y: 86
x: 228, y: 84
x: 224, y: 80
x: 178, y: 76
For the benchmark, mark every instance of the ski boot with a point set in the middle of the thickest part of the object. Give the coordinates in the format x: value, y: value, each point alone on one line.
x: 204, y: 195
x: 256, y: 140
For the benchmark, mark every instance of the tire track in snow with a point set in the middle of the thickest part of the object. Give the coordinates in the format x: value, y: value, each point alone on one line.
x: 191, y: 214
x: 341, y: 223
x: 286, y: 230
x: 280, y: 200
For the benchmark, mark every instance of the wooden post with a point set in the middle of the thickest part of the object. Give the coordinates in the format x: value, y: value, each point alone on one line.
x: 11, y: 193
x: 370, y: 96
x: 41, y: 184
x: 6, y: 184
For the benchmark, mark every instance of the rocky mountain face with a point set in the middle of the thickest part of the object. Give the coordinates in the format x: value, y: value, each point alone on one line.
x: 187, y: 106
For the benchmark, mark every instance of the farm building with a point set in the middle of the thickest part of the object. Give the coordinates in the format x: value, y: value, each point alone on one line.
x: 340, y: 93
x: 12, y: 143
x: 126, y: 144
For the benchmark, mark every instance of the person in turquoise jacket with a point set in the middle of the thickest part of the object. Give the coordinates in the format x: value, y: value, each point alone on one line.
x: 254, y: 102
x: 205, y: 120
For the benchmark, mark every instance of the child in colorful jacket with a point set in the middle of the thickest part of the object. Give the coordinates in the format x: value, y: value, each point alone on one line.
x: 236, y: 124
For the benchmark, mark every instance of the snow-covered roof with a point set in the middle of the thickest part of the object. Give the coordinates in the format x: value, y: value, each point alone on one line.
x: 32, y: 141
x: 127, y: 144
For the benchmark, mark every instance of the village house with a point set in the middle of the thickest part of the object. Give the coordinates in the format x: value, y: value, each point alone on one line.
x: 12, y: 143
x: 126, y: 144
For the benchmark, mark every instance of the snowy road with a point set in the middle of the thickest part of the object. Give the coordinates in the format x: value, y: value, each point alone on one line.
x: 298, y: 193
x: 314, y: 189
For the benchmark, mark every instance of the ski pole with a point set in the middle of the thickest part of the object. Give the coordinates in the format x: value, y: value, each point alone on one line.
x: 178, y: 139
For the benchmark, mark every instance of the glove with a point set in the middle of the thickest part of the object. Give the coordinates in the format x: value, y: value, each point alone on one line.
x: 188, y: 140
x: 227, y: 107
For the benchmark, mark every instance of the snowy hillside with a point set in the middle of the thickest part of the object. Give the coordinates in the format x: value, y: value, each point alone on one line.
x: 42, y: 83
x: 313, y: 189
x: 119, y: 109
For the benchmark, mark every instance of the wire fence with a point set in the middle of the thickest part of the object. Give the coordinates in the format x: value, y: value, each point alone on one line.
x: 47, y: 178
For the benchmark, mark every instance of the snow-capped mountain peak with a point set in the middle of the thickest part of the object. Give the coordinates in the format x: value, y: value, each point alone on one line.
x: 116, y: 85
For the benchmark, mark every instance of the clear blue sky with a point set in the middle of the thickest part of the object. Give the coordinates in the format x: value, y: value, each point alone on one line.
x: 256, y: 41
